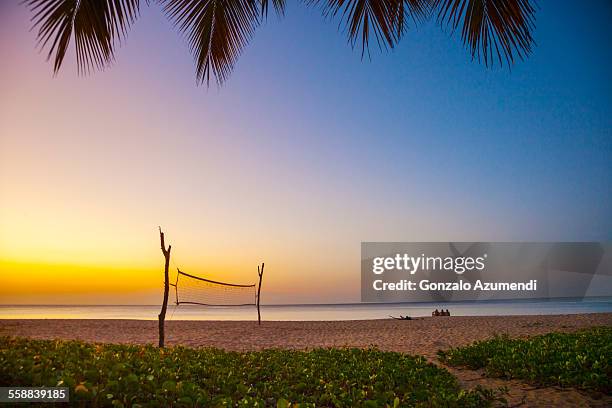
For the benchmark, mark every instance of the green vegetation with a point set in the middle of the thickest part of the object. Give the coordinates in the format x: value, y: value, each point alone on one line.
x: 130, y: 375
x: 582, y: 359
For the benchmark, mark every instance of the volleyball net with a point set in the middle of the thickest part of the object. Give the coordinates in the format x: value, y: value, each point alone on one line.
x: 195, y: 290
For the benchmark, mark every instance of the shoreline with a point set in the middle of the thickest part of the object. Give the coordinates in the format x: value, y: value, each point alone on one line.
x: 213, y: 320
x: 356, y: 303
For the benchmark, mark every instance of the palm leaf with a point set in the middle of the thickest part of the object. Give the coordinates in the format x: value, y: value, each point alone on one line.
x: 95, y: 24
x: 491, y: 29
x: 217, y: 31
x: 384, y: 19
x: 279, y: 7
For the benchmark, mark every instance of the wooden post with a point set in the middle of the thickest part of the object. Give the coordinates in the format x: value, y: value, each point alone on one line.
x: 260, y: 273
x: 162, y: 313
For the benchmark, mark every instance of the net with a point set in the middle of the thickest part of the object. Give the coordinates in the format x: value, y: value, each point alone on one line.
x: 194, y: 290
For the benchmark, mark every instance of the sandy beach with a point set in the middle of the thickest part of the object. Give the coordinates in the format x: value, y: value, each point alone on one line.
x: 423, y: 336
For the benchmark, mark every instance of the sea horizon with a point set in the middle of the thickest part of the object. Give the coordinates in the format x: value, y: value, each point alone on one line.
x: 313, y: 311
x: 542, y: 299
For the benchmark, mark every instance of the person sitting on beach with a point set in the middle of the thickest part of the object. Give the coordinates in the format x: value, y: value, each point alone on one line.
x: 435, y: 313
x: 447, y: 312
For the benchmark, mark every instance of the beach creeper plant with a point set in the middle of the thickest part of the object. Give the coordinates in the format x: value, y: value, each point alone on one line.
x: 582, y: 359
x: 494, y: 31
x: 138, y: 376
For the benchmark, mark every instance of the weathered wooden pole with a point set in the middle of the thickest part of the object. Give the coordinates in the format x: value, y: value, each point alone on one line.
x: 260, y: 273
x: 162, y: 313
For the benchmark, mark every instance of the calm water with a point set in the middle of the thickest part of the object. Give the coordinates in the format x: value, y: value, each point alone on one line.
x: 311, y: 312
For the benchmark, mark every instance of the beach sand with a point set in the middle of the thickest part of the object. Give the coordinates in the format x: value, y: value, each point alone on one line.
x: 423, y: 336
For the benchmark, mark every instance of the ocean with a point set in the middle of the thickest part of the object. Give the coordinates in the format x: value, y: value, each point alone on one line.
x: 353, y: 311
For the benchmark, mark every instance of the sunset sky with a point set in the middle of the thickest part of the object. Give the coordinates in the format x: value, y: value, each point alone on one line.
x: 305, y: 152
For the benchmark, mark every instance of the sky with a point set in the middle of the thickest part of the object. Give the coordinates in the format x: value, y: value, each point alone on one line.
x: 306, y: 151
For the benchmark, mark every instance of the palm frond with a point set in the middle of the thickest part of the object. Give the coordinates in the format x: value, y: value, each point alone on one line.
x: 491, y: 29
x: 216, y: 30
x: 278, y: 5
x: 95, y: 24
x: 384, y: 19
